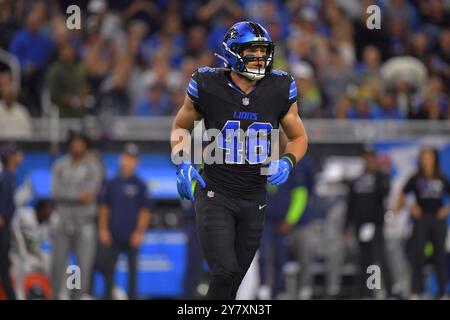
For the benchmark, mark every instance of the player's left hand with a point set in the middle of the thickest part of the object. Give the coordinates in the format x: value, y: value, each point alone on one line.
x: 280, y: 177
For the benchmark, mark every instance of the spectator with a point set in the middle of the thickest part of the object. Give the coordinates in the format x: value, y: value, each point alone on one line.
x: 97, y: 61
x: 159, y: 73
x: 341, y: 34
x: 67, y: 83
x: 419, y: 46
x: 188, y: 67
x: 76, y: 180
x: 213, y: 8
x: 428, y: 213
x: 15, y: 121
x: 33, y: 49
x: 344, y: 107
x: 170, y: 40
x: 369, y: 68
x: 156, y: 103
x: 433, y: 110
x: 335, y: 78
x: 196, y: 41
x: 11, y: 157
x: 397, y: 34
x: 124, y: 219
x: 275, y: 29
x: 144, y: 11
x: 361, y: 110
x: 405, y: 76
x: 8, y: 23
x: 311, y: 106
x: 440, y: 60
x: 136, y: 33
x: 403, y: 10
x: 115, y: 100
x: 107, y: 23
x: 387, y: 108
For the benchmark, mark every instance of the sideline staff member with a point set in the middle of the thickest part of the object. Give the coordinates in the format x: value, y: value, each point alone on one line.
x: 429, y: 214
x: 124, y: 219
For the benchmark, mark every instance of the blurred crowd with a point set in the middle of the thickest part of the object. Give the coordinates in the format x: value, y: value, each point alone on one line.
x: 135, y: 57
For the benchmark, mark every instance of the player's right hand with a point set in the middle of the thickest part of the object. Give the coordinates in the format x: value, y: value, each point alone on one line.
x: 185, y: 174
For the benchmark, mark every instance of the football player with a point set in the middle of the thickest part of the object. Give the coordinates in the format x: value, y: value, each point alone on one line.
x: 230, y: 197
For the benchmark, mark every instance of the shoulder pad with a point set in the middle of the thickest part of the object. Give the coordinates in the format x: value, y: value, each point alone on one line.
x: 279, y: 72
x: 206, y: 69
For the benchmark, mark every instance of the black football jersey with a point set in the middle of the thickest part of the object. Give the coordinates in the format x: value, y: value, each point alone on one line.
x: 227, y: 108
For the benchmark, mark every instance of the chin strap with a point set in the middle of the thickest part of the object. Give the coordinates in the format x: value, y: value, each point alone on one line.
x: 251, y: 76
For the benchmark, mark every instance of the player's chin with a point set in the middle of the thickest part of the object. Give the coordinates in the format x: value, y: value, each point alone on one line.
x: 255, y: 66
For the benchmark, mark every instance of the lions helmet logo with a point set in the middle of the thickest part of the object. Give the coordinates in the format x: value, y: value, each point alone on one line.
x: 231, y: 34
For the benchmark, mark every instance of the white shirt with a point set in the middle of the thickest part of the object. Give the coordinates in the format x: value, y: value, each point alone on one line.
x: 15, y: 121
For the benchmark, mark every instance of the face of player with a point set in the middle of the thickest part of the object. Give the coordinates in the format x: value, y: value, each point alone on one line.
x: 256, y: 52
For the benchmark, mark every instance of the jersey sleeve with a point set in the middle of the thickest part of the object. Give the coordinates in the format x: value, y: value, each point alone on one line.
x: 193, y: 92
x: 288, y: 92
x: 292, y: 91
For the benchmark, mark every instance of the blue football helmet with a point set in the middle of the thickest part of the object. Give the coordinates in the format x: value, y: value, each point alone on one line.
x: 244, y: 35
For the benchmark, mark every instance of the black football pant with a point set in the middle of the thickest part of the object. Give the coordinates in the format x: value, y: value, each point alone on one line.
x: 229, y: 231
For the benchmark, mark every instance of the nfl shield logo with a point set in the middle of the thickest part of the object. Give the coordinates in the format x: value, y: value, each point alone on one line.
x: 245, y: 101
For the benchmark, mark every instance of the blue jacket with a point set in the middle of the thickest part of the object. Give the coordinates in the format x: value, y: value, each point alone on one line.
x: 31, y: 48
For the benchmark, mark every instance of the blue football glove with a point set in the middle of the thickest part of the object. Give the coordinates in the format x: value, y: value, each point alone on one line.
x: 282, y: 174
x: 185, y: 174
